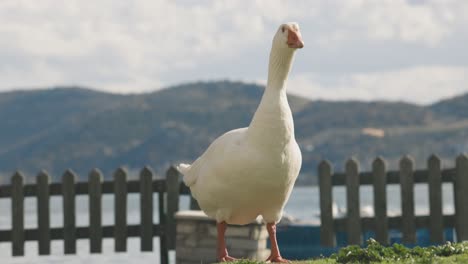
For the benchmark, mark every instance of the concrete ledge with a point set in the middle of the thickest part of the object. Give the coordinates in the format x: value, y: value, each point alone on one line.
x: 192, y: 215
x: 201, y: 216
x: 196, y: 239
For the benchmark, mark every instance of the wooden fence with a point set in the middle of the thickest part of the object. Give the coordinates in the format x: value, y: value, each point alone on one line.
x: 354, y: 225
x: 168, y: 191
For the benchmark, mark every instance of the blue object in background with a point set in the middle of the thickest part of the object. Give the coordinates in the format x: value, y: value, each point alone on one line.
x: 303, y: 241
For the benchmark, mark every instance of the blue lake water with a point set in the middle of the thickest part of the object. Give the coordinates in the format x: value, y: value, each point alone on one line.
x: 304, y: 201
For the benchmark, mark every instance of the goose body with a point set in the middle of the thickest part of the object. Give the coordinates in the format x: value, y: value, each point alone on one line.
x: 234, y: 181
x: 251, y: 171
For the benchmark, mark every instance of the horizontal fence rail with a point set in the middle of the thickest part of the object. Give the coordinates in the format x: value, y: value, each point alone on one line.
x: 354, y: 225
x: 168, y: 191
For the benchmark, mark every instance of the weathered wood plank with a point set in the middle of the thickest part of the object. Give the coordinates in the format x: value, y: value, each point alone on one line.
x: 327, y: 233
x: 43, y: 211
x: 5, y: 191
x: 172, y: 181
x: 436, y: 225
x: 194, y: 203
x: 120, y: 210
x: 352, y: 201
x: 56, y: 233
x: 17, y: 216
x: 163, y: 245
x: 133, y: 186
x: 146, y: 209
x: 407, y: 200
x: 394, y: 222
x: 380, y: 201
x: 69, y: 206
x: 461, y: 197
x: 95, y: 211
x: 393, y: 177
x: 82, y: 232
x: 5, y: 235
x: 184, y: 189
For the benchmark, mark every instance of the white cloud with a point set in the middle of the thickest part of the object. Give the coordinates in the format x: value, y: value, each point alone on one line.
x: 424, y: 84
x: 136, y: 46
x: 143, y: 40
x: 423, y: 22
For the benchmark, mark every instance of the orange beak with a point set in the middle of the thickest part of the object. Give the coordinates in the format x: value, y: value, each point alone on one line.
x: 295, y: 39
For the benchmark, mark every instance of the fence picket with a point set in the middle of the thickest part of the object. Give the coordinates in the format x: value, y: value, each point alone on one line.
x: 380, y: 201
x: 17, y: 216
x: 146, y: 209
x: 172, y: 182
x: 327, y: 233
x: 436, y: 225
x: 43, y: 212
x: 120, y: 210
x: 461, y: 197
x: 69, y: 218
x: 352, y: 200
x: 408, y: 227
x: 163, y: 237
x: 168, y: 192
x: 95, y: 211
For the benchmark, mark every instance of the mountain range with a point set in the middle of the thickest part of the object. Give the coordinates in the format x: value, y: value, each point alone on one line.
x: 74, y: 127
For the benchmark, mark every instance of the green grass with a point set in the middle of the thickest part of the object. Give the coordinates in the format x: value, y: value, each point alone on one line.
x: 376, y: 253
x: 397, y: 253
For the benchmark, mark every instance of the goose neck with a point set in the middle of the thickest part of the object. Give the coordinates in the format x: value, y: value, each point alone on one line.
x: 279, y: 66
x: 272, y: 124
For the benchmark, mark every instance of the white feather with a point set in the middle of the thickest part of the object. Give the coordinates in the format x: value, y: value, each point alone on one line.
x: 251, y: 171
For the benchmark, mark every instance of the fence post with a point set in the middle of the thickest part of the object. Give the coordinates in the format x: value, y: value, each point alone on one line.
x: 436, y: 225
x: 407, y: 200
x: 95, y: 211
x: 353, y: 221
x: 327, y: 231
x: 17, y: 216
x: 43, y: 211
x: 69, y: 219
x: 120, y: 210
x: 164, y: 251
x: 146, y: 209
x: 380, y: 200
x: 461, y: 197
x: 172, y: 186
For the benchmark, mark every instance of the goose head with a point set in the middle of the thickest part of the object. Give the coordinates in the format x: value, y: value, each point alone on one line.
x: 288, y: 36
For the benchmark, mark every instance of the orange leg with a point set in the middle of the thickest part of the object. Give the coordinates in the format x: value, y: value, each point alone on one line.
x: 223, y: 255
x: 275, y: 255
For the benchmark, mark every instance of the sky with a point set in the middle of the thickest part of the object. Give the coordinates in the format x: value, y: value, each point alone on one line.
x: 397, y: 50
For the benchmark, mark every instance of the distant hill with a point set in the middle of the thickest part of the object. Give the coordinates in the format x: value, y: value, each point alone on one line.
x: 455, y: 107
x: 78, y: 128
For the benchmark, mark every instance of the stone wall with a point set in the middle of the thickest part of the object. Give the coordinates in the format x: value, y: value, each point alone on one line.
x: 196, y: 239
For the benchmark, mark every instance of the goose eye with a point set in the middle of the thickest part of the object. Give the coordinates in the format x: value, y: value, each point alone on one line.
x: 283, y: 29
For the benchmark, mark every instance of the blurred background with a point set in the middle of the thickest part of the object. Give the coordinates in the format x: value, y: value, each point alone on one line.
x: 105, y: 84
x: 132, y: 83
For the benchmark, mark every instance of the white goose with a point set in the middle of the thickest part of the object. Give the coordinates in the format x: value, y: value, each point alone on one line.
x: 251, y: 171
